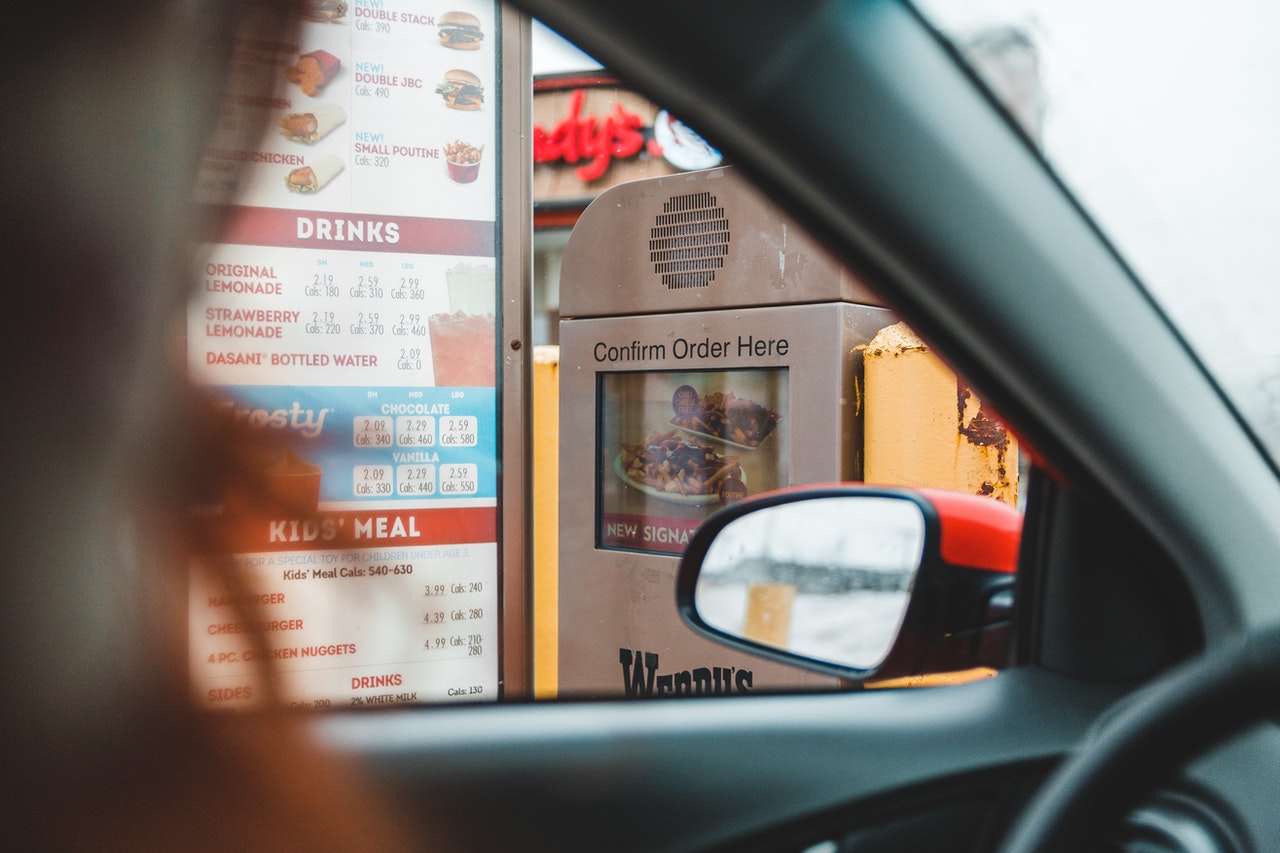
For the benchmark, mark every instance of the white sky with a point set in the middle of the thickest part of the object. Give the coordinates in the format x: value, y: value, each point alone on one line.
x: 1162, y: 116
x: 553, y: 55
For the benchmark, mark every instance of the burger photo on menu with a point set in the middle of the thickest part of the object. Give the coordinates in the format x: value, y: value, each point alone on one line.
x: 461, y: 90
x: 460, y: 31
x: 323, y: 11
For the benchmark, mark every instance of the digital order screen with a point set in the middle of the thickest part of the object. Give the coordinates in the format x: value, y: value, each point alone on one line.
x: 674, y: 446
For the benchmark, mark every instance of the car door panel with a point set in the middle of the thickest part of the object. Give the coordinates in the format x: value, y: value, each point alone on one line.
x: 688, y: 774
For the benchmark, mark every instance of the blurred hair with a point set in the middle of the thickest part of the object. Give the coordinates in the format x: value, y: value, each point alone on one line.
x: 109, y: 109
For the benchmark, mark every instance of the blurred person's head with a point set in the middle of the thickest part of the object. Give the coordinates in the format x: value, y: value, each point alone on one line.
x: 108, y: 109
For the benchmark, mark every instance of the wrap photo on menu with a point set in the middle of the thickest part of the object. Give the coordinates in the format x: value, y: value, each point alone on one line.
x: 313, y: 125
x: 677, y: 445
x: 314, y: 177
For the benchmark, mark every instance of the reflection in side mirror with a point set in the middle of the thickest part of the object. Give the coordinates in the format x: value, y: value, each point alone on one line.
x: 828, y: 579
x: 857, y: 581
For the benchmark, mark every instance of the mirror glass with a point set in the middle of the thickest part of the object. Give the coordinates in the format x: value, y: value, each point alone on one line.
x: 827, y: 578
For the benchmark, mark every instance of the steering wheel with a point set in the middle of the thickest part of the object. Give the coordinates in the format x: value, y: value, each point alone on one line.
x: 1146, y: 738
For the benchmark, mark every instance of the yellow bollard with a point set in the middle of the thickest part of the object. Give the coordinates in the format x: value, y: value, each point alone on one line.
x: 925, y: 427
x: 546, y: 520
x: 768, y: 617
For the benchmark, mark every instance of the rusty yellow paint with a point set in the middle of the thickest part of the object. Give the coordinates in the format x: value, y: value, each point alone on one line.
x: 925, y: 427
x: 546, y: 520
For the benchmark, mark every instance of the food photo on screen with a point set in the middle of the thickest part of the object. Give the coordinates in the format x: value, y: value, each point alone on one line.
x: 676, y: 445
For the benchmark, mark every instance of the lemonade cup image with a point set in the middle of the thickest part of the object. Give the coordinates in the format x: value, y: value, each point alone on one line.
x: 472, y: 288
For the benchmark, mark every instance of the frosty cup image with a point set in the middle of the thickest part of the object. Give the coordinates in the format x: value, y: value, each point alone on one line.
x: 293, y: 484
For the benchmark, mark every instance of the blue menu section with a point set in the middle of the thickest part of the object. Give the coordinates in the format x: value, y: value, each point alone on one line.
x: 381, y: 443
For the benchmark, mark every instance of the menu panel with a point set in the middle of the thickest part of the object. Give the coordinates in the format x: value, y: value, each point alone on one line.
x: 348, y: 317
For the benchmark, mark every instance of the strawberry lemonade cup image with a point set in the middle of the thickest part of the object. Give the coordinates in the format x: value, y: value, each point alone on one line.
x: 462, y: 349
x: 462, y: 342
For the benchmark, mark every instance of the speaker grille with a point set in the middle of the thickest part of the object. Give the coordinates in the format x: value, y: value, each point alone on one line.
x: 689, y: 241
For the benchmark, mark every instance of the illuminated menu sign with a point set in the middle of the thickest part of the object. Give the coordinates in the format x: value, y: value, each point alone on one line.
x: 347, y: 319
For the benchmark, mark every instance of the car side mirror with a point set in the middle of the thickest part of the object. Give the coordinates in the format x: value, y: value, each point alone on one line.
x: 857, y: 581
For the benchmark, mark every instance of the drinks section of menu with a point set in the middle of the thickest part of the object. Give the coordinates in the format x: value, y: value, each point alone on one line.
x: 344, y: 328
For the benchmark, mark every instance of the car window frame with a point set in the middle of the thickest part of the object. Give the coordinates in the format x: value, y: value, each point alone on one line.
x: 888, y: 231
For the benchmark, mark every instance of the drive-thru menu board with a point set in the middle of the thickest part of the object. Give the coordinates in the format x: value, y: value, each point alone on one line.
x: 350, y: 310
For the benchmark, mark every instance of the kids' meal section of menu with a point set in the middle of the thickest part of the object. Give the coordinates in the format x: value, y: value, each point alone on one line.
x: 344, y: 330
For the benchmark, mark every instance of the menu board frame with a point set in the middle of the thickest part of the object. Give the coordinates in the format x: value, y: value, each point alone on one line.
x: 515, y: 404
x: 497, y: 463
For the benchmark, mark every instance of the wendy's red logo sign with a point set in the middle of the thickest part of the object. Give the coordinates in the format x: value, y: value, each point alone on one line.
x: 591, y: 140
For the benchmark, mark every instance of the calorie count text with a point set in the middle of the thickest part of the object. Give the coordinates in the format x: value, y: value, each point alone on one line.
x: 378, y: 431
x: 456, y: 625
x: 331, y: 323
x: 416, y: 431
x: 375, y: 19
x: 458, y: 431
x: 364, y: 324
x: 444, y: 611
x: 326, y: 285
x: 441, y: 613
x: 416, y: 479
x: 371, y: 481
x: 458, y: 479
x: 446, y: 614
x: 364, y: 286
